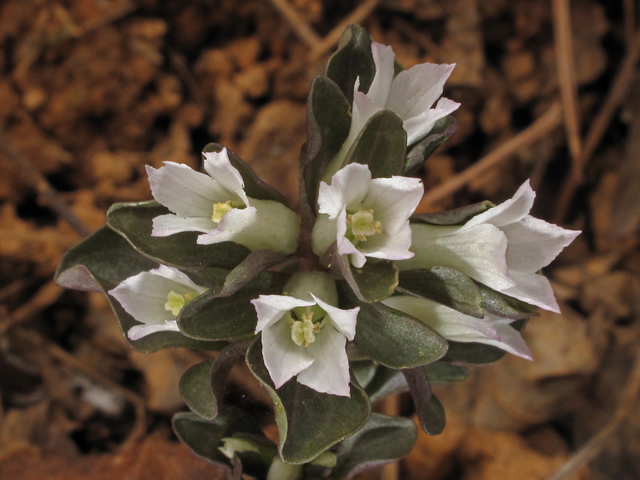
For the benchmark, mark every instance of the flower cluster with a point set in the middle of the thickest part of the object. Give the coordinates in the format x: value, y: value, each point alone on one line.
x: 220, y: 261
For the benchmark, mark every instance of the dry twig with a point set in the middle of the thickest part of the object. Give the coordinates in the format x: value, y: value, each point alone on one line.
x: 333, y: 37
x: 567, y: 75
x: 593, y: 447
x: 42, y: 186
x: 299, y: 24
x: 616, y: 94
x: 533, y: 132
x: 41, y: 300
x: 629, y: 20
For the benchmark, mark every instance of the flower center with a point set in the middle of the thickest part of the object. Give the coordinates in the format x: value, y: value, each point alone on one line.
x: 362, y: 225
x: 304, y: 331
x: 175, y: 301
x: 220, y: 209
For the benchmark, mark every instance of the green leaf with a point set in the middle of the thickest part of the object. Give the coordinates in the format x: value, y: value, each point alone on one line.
x: 374, y: 282
x: 202, y: 386
x: 248, y: 270
x: 364, y: 371
x: 473, y: 353
x: 429, y: 410
x: 309, y: 422
x: 102, y: 261
x: 457, y: 216
x: 204, y: 436
x: 383, y: 440
x: 505, y: 306
x: 444, y: 372
x: 381, y: 144
x: 253, y: 186
x: 212, y: 317
x: 353, y: 59
x: 393, y: 338
x: 443, y: 285
x: 386, y: 381
x: 328, y: 123
x: 134, y: 221
x: 420, y: 153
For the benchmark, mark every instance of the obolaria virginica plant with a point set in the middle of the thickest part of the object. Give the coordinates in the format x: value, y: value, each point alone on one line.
x: 357, y: 300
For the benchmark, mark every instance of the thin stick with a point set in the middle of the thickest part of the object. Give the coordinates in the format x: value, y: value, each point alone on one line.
x: 42, y: 186
x: 599, y: 126
x: 299, y: 24
x: 117, y: 14
x: 333, y: 37
x: 538, y: 129
x: 567, y: 75
x: 41, y: 300
x: 629, y: 20
x: 593, y: 447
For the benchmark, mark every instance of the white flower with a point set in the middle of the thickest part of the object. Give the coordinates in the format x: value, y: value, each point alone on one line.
x: 503, y: 248
x: 217, y: 205
x: 155, y: 298
x: 410, y: 95
x: 367, y: 217
x: 458, y: 327
x: 306, y: 338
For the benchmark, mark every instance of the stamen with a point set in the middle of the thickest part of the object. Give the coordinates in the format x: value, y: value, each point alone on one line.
x: 175, y: 302
x: 363, y: 225
x: 304, y: 331
x: 220, y: 209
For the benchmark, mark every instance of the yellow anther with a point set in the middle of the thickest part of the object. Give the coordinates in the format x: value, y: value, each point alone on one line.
x: 363, y: 225
x: 304, y: 331
x: 175, y: 302
x: 220, y: 209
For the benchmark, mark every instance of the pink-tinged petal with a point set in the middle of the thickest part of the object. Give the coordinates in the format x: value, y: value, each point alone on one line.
x: 534, y: 243
x: 510, y: 211
x: 329, y: 373
x: 139, y: 331
x: 348, y: 189
x: 324, y: 233
x: 510, y: 339
x: 271, y: 308
x: 343, y: 320
x: 420, y: 125
x: 283, y: 358
x: 219, y: 167
x: 165, y: 225
x: 144, y: 295
x: 177, y: 276
x: 393, y: 200
x: 389, y: 247
x: 534, y: 289
x: 414, y: 91
x: 479, y: 252
x: 384, y: 58
x: 184, y: 191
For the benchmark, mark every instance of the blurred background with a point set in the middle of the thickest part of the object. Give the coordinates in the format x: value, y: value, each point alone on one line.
x: 93, y: 90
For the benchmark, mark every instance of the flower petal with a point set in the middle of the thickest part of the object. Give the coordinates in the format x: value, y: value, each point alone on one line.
x: 271, y: 308
x: 139, y: 331
x: 384, y: 58
x: 219, y: 167
x: 362, y: 110
x: 324, y: 233
x: 329, y: 373
x: 479, y: 252
x: 393, y: 200
x: 414, y: 91
x: 534, y: 243
x: 510, y: 211
x: 144, y: 295
x: 177, y: 276
x: 390, y: 247
x: 170, y: 224
x: 420, y: 125
x: 534, y: 289
x: 343, y: 320
x: 510, y: 339
x: 348, y: 189
x: 184, y: 191
x: 283, y: 358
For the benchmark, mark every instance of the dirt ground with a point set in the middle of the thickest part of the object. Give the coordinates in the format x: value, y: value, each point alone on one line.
x: 93, y: 90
